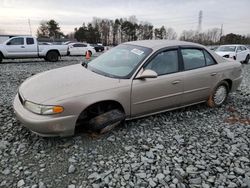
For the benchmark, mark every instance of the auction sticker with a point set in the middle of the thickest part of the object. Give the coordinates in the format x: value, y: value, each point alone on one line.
x: 137, y: 52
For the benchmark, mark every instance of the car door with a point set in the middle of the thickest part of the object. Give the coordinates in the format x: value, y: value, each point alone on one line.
x: 244, y: 53
x: 84, y: 49
x: 198, y: 77
x: 240, y: 53
x: 73, y: 49
x: 15, y: 47
x: 31, y: 48
x: 163, y: 92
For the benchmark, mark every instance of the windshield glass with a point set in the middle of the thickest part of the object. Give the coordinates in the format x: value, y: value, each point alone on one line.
x: 226, y: 49
x: 119, y: 62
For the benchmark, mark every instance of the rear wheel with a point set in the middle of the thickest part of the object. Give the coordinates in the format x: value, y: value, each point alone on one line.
x: 219, y: 95
x: 52, y: 56
x: 247, y: 59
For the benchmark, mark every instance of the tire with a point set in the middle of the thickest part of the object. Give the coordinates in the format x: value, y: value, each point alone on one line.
x: 219, y: 95
x: 100, y: 118
x: 247, y: 59
x: 1, y: 58
x: 106, y: 121
x: 52, y: 56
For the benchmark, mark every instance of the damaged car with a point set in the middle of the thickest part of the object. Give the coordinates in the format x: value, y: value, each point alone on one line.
x: 132, y: 80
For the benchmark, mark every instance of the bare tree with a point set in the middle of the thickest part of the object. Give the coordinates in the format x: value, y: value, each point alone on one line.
x: 171, y: 34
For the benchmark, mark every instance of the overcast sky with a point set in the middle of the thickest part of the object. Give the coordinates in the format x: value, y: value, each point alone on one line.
x: 178, y: 14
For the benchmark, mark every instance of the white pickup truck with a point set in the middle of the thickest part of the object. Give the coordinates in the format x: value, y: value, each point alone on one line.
x: 27, y: 47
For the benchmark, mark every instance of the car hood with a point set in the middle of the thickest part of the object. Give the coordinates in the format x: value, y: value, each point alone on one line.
x: 62, y: 83
x: 225, y: 53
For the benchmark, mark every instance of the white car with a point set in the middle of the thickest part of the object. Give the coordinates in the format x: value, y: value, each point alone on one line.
x: 237, y: 52
x: 80, y: 49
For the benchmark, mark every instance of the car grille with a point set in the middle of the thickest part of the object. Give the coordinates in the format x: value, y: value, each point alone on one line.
x: 20, y: 98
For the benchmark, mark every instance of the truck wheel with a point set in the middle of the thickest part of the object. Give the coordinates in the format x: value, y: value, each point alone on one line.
x: 247, y: 59
x: 219, y: 95
x: 52, y: 56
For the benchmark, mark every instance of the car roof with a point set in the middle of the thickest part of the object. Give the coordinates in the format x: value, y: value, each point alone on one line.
x: 158, y: 44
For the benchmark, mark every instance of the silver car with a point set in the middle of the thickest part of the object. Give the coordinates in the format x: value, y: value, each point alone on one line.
x: 132, y: 80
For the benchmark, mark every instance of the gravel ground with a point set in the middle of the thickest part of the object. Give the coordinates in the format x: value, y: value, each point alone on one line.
x: 191, y: 147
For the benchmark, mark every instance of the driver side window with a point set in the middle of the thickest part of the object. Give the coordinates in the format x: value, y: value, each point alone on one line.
x: 164, y: 63
x: 16, y: 41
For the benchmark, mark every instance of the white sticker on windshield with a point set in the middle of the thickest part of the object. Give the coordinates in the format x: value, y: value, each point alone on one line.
x: 137, y: 52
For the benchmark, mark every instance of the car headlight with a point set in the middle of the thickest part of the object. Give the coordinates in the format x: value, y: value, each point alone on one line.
x: 42, y: 109
x: 226, y: 56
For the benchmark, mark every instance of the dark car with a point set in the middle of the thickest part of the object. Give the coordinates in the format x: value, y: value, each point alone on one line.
x: 97, y: 47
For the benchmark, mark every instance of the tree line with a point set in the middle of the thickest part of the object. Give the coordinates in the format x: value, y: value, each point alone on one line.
x: 114, y: 32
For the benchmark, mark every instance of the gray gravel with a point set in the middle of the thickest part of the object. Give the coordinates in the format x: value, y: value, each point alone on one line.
x: 192, y: 147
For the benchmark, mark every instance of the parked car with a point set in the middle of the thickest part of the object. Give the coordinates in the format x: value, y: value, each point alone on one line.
x: 68, y: 42
x: 28, y: 47
x: 80, y: 49
x: 97, y: 47
x: 237, y: 52
x: 212, y: 47
x: 132, y: 80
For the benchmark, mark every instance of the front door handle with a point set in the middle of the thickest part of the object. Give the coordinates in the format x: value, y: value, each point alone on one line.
x: 213, y: 74
x: 176, y: 82
x: 22, y: 47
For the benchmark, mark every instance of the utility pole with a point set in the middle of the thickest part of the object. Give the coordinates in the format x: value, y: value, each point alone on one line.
x: 221, y: 32
x: 29, y: 26
x: 200, y: 21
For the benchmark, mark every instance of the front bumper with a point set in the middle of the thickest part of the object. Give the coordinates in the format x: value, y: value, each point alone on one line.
x: 44, y: 125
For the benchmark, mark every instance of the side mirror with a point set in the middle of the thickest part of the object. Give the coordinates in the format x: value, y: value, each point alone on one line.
x: 146, y: 74
x: 8, y: 43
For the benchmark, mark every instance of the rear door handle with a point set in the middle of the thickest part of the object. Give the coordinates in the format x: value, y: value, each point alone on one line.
x: 213, y: 74
x: 22, y: 47
x: 176, y: 82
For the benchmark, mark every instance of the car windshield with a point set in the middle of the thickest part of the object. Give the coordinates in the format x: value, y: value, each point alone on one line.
x: 119, y: 62
x: 226, y: 49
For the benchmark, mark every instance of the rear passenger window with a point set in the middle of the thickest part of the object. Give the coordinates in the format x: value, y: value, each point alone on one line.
x: 209, y: 59
x: 164, y: 63
x: 193, y: 58
x: 80, y: 45
x: 243, y: 48
x: 29, y: 41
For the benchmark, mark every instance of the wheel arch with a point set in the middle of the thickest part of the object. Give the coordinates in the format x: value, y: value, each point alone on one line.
x: 115, y: 104
x: 53, y: 50
x: 1, y: 54
x: 229, y: 82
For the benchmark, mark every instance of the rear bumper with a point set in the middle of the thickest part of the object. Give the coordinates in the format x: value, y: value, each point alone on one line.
x: 236, y: 83
x: 44, y: 125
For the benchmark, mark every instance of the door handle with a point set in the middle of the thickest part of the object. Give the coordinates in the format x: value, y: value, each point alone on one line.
x: 22, y: 47
x: 213, y: 74
x: 176, y: 82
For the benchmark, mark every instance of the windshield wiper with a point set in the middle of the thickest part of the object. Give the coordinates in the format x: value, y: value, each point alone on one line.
x: 84, y: 64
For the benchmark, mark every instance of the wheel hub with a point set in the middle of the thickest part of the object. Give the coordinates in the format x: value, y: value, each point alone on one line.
x: 220, y: 95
